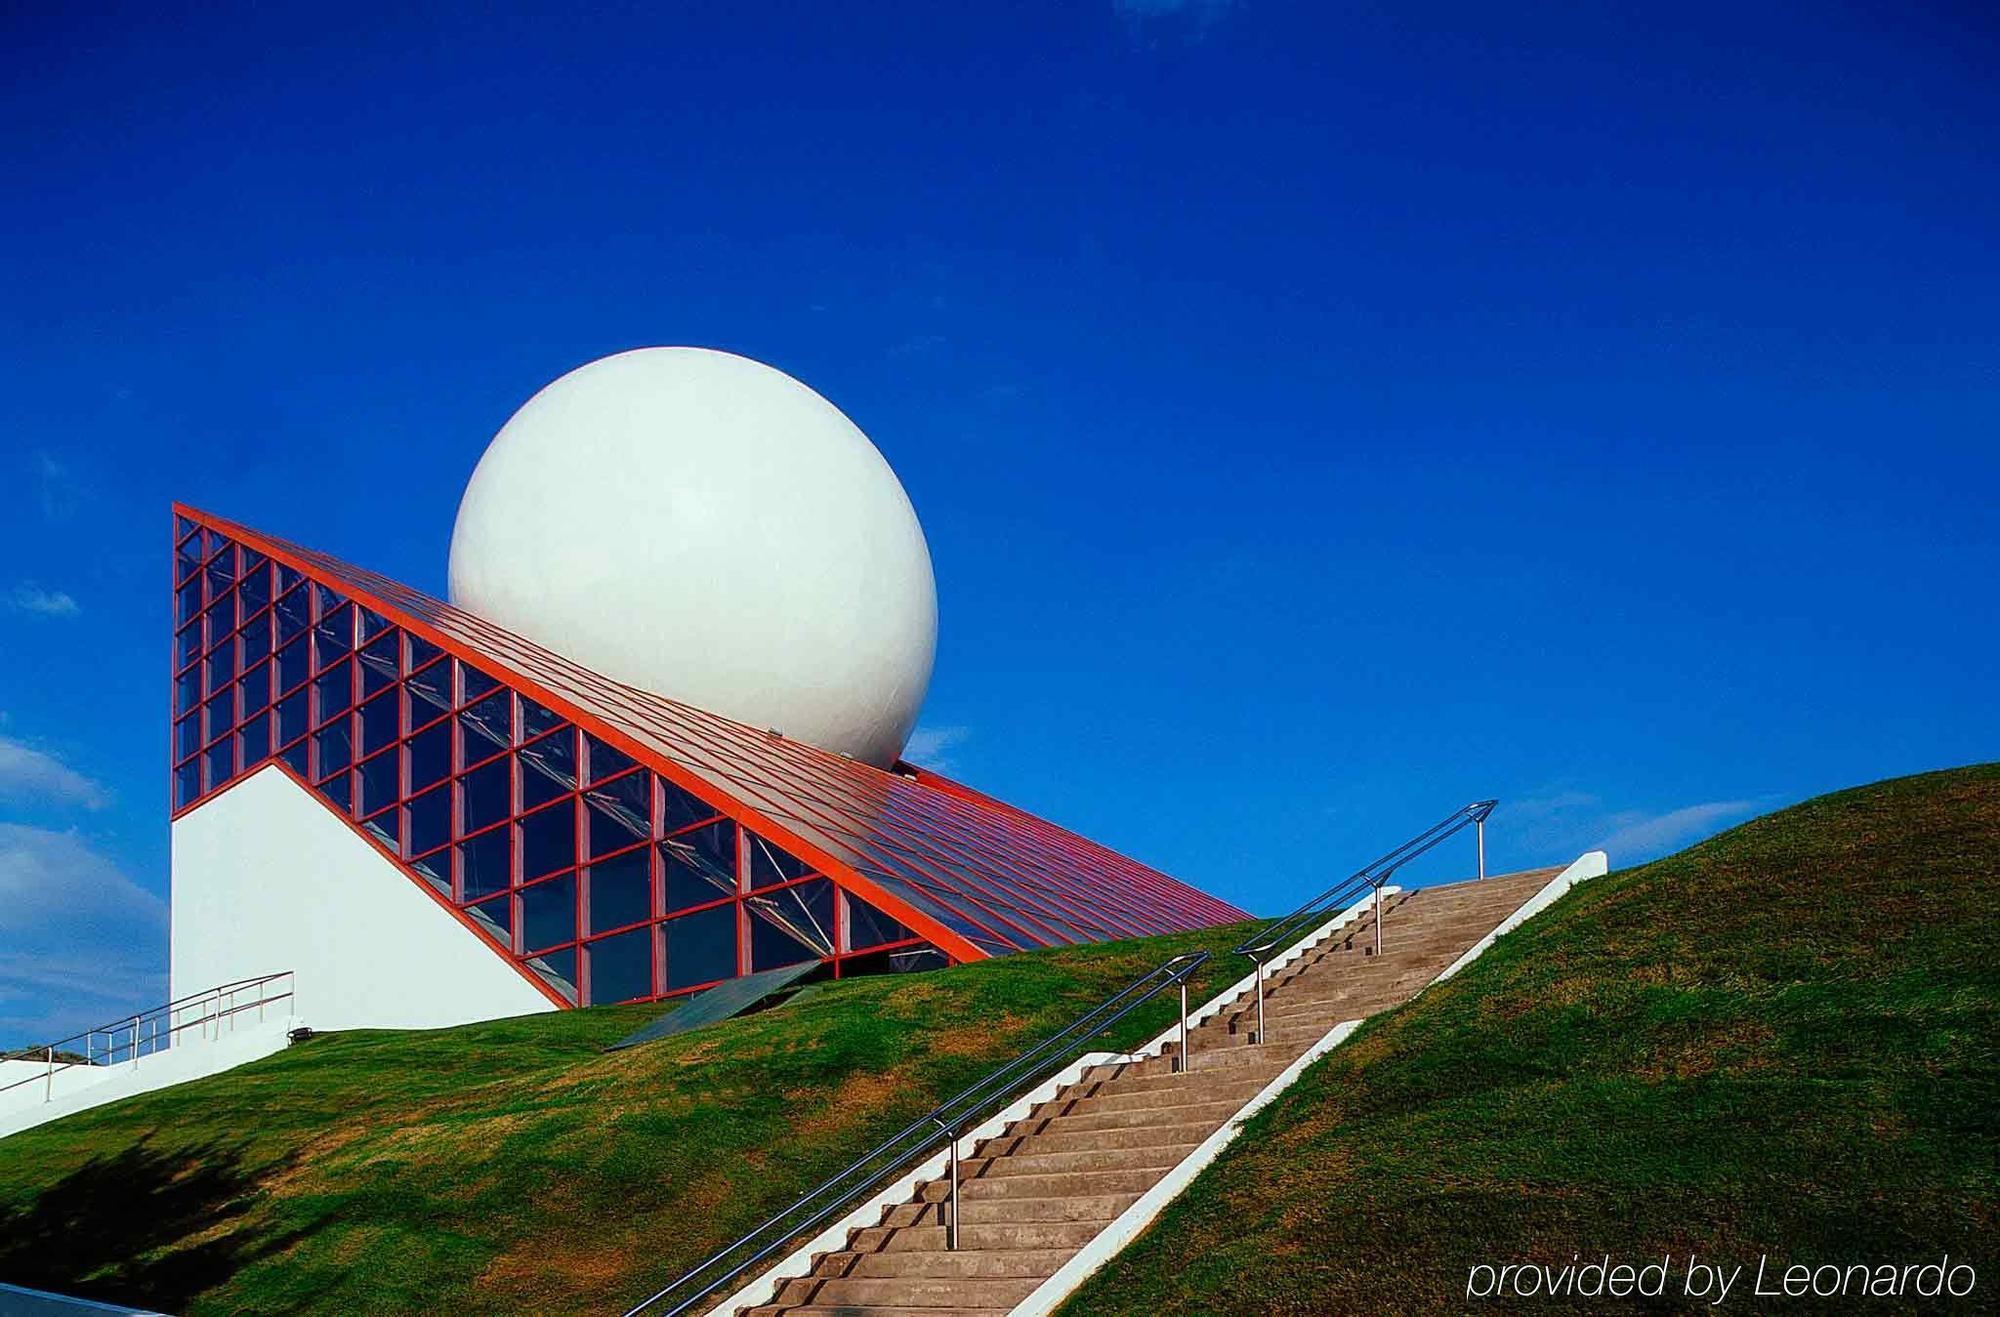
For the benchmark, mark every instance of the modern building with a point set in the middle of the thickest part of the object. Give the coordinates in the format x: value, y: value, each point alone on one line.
x: 431, y: 819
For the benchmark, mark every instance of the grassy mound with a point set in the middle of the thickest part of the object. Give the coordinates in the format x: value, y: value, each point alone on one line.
x: 513, y: 1166
x: 1783, y: 1041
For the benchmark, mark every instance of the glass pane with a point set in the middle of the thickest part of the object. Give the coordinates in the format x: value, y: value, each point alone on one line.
x: 869, y: 927
x: 605, y: 761
x: 791, y: 924
x: 497, y: 917
x: 380, y: 665
x: 380, y: 723
x: 221, y: 760
x: 621, y: 891
x: 485, y: 795
x: 489, y: 725
x: 536, y: 720
x: 699, y: 866
x: 291, y: 615
x: 332, y: 750
x: 379, y: 782
x: 220, y: 714
x: 187, y: 602
x: 769, y: 864
x: 333, y: 692
x: 417, y: 652
x: 187, y: 690
x: 291, y: 717
x: 222, y: 617
x: 287, y: 577
x: 558, y: 970
x: 333, y: 635
x: 430, y: 820
x: 701, y: 948
x: 187, y: 783
x: 187, y: 558
x: 296, y: 757
x: 548, y: 767
x: 617, y: 813
x: 373, y: 624
x: 254, y: 741
x: 485, y: 862
x: 434, y: 684
x: 548, y: 840
x: 255, y: 689
x: 682, y: 808
x: 187, y: 644
x: 255, y: 638
x: 255, y: 590
x: 548, y: 913
x: 387, y: 828
x: 434, y: 869
x: 430, y: 756
x: 325, y: 601
x: 292, y: 665
x: 621, y: 968
x: 187, y: 737
x: 473, y: 683
x: 336, y: 790
x: 220, y: 667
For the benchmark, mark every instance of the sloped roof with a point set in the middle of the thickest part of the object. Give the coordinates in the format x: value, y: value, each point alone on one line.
x: 974, y: 875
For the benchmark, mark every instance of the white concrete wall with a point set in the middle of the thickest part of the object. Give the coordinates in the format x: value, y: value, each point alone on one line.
x: 267, y: 878
x: 80, y: 1087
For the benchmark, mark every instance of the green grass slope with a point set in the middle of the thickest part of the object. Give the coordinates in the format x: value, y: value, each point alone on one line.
x: 514, y: 1166
x: 1783, y: 1041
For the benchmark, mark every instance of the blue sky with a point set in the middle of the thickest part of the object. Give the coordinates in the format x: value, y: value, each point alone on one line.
x: 1319, y: 418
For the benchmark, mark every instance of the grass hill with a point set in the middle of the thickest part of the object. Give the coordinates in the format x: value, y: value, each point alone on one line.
x: 515, y: 1166
x: 1785, y: 1040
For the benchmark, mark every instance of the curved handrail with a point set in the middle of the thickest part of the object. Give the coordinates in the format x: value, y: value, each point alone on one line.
x: 149, y: 1030
x: 919, y: 1138
x: 1373, y: 876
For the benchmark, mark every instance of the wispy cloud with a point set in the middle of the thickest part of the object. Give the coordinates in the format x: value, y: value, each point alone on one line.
x: 82, y: 942
x: 1564, y: 820
x: 56, y: 487
x: 930, y: 747
x: 49, y: 603
x: 1644, y: 836
x: 35, y: 776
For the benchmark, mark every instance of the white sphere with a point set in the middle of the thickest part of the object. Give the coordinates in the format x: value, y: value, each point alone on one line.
x: 708, y: 528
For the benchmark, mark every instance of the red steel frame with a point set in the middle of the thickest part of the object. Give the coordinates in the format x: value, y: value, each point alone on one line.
x: 963, y: 873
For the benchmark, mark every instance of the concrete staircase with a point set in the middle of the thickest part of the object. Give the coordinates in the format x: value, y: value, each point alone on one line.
x: 1036, y: 1194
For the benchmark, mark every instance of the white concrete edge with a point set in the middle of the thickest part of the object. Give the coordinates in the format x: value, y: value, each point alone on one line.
x: 1134, y: 1219
x: 1236, y: 991
x: 1128, y: 1225
x: 800, y: 1262
x: 1590, y: 864
x: 181, y: 1064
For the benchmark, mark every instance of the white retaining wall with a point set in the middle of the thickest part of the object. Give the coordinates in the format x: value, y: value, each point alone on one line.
x: 267, y: 878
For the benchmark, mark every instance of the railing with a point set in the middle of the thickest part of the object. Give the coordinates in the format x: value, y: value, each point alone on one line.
x: 212, y: 1013
x: 1271, y: 940
x: 909, y: 1146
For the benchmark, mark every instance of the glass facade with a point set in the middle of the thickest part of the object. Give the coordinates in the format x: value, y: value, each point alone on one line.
x: 616, y: 844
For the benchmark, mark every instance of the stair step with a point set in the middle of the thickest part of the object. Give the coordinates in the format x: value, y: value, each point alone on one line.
x: 1094, y: 1207
x: 1064, y: 1140
x: 1158, y: 1157
x: 1087, y: 1118
x: 961, y: 1263
x: 1064, y: 1235
x: 909, y: 1291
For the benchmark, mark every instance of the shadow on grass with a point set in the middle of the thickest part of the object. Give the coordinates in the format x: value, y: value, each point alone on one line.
x: 117, y: 1228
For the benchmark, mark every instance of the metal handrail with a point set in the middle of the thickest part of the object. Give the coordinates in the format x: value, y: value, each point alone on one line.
x: 152, y: 1030
x: 917, y: 1140
x: 1370, y: 877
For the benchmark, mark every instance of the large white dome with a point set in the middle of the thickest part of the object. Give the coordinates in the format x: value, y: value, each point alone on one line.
x: 708, y: 528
